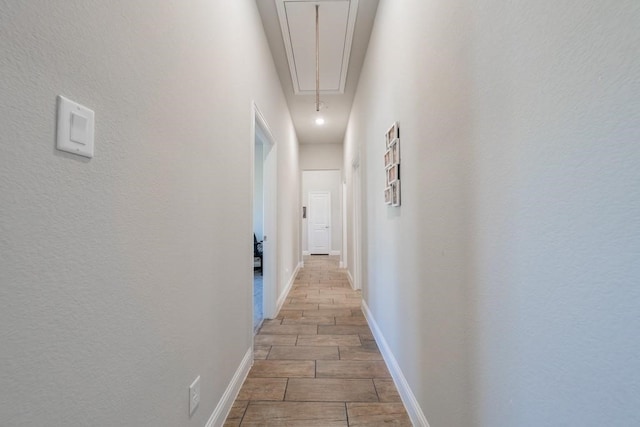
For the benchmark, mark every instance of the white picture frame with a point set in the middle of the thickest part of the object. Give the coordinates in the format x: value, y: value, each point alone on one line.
x: 392, y: 133
x: 388, y: 159
x: 395, y: 193
x: 393, y: 173
x: 394, y: 148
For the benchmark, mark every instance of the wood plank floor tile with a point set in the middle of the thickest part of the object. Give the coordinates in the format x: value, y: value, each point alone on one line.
x: 288, y: 329
x: 303, y: 353
x: 265, y: 340
x: 352, y: 321
x: 330, y: 390
x: 238, y: 408
x: 336, y: 291
x: 298, y: 292
x: 321, y: 414
x: 338, y: 305
x: 236, y: 413
x: 260, y: 352
x: 344, y: 330
x: 263, y: 389
x: 312, y: 300
x: 368, y: 342
x: 328, y: 340
x: 351, y: 369
x: 360, y: 353
x: 290, y: 314
x: 310, y: 321
x: 376, y: 414
x: 282, y: 368
x: 328, y: 313
x: 299, y: 306
x: 387, y: 391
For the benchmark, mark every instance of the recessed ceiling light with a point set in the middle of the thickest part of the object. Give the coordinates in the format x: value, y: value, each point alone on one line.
x: 319, y: 121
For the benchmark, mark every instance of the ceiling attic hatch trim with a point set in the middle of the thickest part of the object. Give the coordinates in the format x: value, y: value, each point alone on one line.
x: 297, y: 18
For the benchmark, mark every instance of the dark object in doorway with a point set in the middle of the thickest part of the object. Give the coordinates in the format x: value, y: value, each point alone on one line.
x: 257, y: 252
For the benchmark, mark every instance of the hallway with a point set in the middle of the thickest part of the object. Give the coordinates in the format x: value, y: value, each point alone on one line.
x: 317, y: 364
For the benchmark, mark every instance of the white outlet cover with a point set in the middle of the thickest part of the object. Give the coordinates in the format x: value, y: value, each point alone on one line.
x: 194, y: 395
x: 75, y: 133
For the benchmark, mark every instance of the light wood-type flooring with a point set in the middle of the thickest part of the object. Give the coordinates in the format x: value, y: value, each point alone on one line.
x: 317, y: 364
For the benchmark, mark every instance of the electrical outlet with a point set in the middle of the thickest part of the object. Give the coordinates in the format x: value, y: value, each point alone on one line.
x: 194, y: 395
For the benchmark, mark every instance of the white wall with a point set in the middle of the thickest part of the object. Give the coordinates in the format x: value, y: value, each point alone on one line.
x: 320, y: 156
x: 125, y: 276
x: 507, y: 283
x: 326, y: 180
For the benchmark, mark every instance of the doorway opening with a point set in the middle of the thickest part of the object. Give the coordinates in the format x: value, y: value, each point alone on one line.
x: 258, y: 235
x: 322, y: 223
x: 264, y: 221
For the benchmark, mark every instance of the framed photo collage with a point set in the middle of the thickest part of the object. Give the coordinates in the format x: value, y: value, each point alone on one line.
x: 392, y: 166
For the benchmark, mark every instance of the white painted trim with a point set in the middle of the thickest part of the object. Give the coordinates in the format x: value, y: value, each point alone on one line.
x: 334, y: 253
x: 305, y: 253
x: 341, y: 265
x: 408, y: 398
x: 223, y: 408
x: 350, y: 280
x: 283, y: 296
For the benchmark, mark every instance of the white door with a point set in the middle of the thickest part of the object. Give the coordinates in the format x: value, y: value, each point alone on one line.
x: 319, y: 222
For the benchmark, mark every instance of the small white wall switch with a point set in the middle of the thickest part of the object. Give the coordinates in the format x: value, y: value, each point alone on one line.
x: 75, y: 128
x: 194, y: 395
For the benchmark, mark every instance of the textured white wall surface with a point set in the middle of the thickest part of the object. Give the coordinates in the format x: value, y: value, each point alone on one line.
x: 507, y: 284
x: 320, y: 156
x: 125, y: 276
x: 324, y: 180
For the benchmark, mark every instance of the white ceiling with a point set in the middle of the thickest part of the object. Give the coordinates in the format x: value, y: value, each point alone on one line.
x: 345, y: 27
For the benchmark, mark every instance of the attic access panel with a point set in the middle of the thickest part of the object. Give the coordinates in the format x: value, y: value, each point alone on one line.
x: 337, y: 22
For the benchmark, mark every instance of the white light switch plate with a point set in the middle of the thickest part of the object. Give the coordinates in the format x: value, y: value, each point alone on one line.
x: 75, y: 128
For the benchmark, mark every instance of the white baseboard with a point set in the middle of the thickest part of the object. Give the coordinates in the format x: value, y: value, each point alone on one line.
x: 283, y: 296
x: 305, y: 253
x: 408, y: 398
x: 223, y: 408
x: 341, y: 265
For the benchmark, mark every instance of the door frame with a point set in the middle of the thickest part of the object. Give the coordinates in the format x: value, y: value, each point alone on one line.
x: 262, y: 133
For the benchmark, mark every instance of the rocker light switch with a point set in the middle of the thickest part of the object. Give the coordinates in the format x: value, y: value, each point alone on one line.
x: 78, y: 132
x: 75, y: 128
